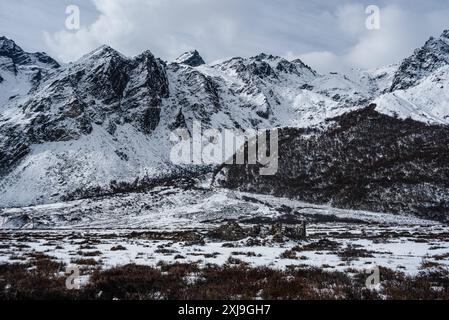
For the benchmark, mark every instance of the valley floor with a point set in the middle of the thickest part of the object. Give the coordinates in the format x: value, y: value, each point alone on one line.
x: 191, y: 228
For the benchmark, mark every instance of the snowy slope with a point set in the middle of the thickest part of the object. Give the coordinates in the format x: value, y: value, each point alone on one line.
x: 427, y: 102
x: 107, y: 118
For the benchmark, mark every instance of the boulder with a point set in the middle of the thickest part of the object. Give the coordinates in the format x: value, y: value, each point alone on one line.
x: 231, y: 231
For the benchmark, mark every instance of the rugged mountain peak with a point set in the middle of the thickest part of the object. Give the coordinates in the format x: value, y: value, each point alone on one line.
x: 261, y: 69
x: 267, y: 67
x: 146, y: 54
x: 191, y: 58
x: 10, y: 50
x: 284, y: 66
x: 102, y: 69
x: 302, y: 65
x: 8, y: 47
x: 264, y: 56
x: 425, y: 60
x: 103, y: 52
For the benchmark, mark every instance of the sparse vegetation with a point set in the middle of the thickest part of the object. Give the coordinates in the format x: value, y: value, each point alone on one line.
x: 84, y: 262
x: 118, y: 248
x: 42, y: 279
x: 354, y: 253
x: 288, y: 254
x: 89, y: 253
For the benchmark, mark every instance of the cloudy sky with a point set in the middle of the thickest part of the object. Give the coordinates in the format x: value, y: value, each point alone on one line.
x: 330, y: 35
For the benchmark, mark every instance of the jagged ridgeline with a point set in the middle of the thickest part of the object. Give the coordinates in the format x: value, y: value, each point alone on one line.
x: 102, y: 125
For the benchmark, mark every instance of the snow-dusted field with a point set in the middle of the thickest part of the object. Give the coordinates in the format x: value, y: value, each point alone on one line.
x: 173, y: 224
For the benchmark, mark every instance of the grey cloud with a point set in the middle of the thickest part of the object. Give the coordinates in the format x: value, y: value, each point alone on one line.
x: 329, y: 33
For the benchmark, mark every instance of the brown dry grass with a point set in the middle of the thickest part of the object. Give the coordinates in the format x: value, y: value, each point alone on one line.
x: 42, y: 279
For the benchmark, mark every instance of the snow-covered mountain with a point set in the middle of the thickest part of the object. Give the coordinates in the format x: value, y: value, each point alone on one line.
x: 419, y: 87
x: 20, y: 71
x: 103, y: 123
x: 427, y: 101
x: 106, y: 119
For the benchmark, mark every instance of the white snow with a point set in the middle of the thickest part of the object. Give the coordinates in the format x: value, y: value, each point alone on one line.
x: 426, y: 102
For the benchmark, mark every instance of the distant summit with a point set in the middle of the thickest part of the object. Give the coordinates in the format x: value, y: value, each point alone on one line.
x: 425, y: 60
x: 191, y: 58
x: 10, y: 50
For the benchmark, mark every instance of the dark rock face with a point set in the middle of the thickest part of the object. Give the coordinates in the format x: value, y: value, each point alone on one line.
x: 12, y: 149
x: 364, y: 160
x: 261, y: 69
x: 144, y: 96
x: 151, y: 119
x: 192, y: 58
x: 432, y: 56
x: 254, y: 69
x: 44, y: 58
x: 197, y: 97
